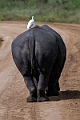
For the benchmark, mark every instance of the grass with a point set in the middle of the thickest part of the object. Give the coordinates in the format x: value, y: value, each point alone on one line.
x: 67, y: 11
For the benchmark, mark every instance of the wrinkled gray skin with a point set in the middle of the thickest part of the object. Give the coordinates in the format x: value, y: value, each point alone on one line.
x: 40, y: 54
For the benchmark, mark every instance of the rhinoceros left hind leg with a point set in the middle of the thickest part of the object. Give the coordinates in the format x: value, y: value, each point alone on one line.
x: 32, y: 89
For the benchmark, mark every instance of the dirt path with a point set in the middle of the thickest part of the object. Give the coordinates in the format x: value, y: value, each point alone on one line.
x: 13, y: 92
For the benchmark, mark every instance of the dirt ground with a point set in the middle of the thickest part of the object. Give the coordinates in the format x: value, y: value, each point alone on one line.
x: 13, y: 92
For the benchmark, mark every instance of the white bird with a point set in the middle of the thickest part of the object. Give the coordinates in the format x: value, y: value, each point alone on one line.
x: 30, y: 23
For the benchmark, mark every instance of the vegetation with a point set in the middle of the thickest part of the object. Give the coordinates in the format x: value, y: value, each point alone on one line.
x: 67, y: 11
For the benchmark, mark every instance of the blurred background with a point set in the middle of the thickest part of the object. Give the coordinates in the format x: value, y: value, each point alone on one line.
x: 62, y: 11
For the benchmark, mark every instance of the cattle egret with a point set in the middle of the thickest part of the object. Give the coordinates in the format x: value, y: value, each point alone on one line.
x: 30, y: 23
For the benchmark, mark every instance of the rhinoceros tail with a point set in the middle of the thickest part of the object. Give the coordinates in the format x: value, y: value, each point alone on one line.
x: 32, y: 50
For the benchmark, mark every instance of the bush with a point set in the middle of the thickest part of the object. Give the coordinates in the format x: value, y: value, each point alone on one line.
x: 44, y: 10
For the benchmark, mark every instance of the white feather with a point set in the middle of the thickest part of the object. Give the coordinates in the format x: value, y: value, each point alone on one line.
x: 30, y: 23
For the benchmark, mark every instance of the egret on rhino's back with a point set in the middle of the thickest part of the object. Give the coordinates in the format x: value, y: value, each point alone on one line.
x: 30, y: 23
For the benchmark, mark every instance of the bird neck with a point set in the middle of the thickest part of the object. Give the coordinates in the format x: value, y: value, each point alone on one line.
x: 32, y: 18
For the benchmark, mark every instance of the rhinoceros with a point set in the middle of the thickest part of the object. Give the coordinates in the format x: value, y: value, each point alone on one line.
x: 40, y: 54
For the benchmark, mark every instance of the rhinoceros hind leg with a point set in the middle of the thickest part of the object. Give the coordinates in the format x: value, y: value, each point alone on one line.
x: 42, y: 99
x: 31, y: 99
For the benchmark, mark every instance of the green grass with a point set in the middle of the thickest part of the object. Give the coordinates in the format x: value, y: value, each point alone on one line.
x: 67, y: 11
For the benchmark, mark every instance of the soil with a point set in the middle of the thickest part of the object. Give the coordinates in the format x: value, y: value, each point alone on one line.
x: 13, y: 92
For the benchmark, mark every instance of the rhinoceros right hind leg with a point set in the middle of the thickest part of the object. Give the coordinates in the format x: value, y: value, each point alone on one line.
x: 41, y: 96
